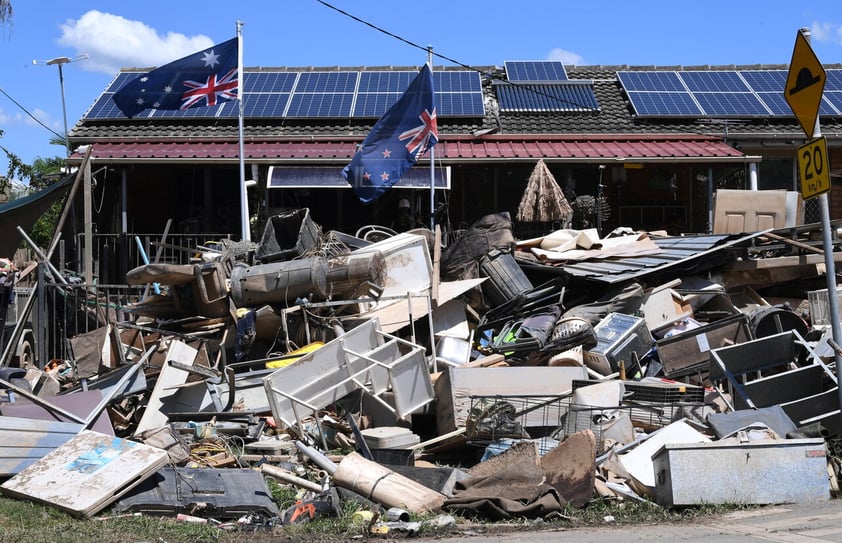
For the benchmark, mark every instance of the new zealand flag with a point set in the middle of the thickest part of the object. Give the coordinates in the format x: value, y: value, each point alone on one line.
x: 404, y: 133
x: 201, y: 79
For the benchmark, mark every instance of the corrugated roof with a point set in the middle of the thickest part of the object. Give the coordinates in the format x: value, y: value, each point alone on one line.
x: 679, y: 255
x: 616, y: 147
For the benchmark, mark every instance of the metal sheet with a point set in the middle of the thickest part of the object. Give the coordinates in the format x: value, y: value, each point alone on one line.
x: 87, y: 473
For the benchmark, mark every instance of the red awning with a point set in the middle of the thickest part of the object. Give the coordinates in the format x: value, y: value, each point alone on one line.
x: 489, y: 148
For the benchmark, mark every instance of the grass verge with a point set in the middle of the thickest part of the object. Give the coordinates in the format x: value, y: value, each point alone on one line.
x: 27, y: 522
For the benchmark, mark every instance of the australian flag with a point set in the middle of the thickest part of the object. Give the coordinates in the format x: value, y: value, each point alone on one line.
x: 205, y: 78
x: 404, y: 133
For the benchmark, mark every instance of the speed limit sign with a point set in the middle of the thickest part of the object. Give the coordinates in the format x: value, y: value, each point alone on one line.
x: 814, y: 168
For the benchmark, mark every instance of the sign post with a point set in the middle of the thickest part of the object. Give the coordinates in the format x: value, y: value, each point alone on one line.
x: 803, y: 92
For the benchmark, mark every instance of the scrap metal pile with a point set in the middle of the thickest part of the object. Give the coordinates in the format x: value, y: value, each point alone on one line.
x: 548, y: 372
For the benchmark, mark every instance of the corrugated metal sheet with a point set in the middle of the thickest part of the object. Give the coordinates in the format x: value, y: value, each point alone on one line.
x: 489, y: 147
x: 679, y: 255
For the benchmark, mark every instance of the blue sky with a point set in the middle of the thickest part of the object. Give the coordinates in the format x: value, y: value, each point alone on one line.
x: 117, y: 34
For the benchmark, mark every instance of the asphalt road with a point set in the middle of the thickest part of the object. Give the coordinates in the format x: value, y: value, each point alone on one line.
x: 799, y: 523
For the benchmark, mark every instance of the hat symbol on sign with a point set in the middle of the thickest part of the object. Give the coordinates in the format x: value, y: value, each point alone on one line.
x: 804, y: 79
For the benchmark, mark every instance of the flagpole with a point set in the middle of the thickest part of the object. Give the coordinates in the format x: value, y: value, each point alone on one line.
x: 432, y: 153
x: 244, y: 198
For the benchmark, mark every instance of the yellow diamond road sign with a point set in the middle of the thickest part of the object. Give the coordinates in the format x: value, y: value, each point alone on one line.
x: 805, y: 84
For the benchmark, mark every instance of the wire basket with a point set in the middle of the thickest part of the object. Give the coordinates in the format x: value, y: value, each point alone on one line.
x: 494, y: 418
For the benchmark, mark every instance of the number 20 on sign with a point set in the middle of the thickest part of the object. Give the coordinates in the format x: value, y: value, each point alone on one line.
x: 814, y: 168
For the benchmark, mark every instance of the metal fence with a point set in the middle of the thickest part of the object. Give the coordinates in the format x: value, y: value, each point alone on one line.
x: 115, y: 254
x: 63, y: 311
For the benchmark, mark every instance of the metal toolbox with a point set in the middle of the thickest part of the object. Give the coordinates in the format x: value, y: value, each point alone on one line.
x: 753, y: 472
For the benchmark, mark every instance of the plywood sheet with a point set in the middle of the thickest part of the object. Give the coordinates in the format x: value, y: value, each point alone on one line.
x: 87, y: 473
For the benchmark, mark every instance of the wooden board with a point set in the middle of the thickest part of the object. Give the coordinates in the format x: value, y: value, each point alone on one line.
x: 86, y: 474
x: 23, y: 441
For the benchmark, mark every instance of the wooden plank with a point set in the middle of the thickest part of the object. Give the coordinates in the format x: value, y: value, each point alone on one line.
x: 86, y: 474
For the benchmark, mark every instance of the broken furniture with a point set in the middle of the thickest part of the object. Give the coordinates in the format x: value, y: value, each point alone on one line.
x: 688, y: 353
x: 364, y: 358
x: 197, y: 289
x: 776, y: 370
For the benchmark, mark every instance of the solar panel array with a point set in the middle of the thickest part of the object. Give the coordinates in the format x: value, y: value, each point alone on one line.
x: 542, y: 86
x: 535, y: 70
x: 719, y: 93
x: 312, y: 94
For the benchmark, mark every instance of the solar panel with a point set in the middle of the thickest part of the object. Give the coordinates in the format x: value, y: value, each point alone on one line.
x: 535, y: 70
x: 526, y: 97
x: 651, y: 81
x: 453, y: 81
x: 121, y: 79
x: 104, y: 108
x: 831, y: 103
x: 458, y: 93
x: 730, y: 103
x: 319, y: 104
x: 265, y: 104
x: 776, y: 102
x: 370, y: 104
x: 327, y: 82
x: 459, y: 104
x: 664, y: 103
x: 269, y: 81
x: 386, y: 82
x: 765, y: 80
x: 739, y: 93
x: 715, y: 81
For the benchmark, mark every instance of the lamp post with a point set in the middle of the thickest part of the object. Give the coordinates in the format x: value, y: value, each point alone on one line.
x: 61, y: 61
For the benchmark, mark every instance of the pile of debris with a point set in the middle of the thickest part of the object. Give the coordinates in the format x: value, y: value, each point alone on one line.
x: 546, y: 373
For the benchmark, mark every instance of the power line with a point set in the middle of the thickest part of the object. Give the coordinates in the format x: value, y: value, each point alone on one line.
x: 30, y: 114
x: 448, y: 59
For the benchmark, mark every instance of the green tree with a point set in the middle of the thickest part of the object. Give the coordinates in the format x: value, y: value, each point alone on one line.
x: 42, y: 173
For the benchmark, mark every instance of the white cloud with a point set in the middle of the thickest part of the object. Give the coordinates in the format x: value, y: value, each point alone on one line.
x: 826, y: 32
x: 566, y: 57
x: 114, y: 42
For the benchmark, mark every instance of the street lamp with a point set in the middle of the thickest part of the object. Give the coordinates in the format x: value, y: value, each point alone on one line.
x: 61, y: 61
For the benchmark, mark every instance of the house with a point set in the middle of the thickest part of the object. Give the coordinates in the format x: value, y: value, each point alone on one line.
x: 638, y: 146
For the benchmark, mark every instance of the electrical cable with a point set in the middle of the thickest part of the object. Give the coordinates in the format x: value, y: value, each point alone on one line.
x: 449, y: 59
x: 34, y: 118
